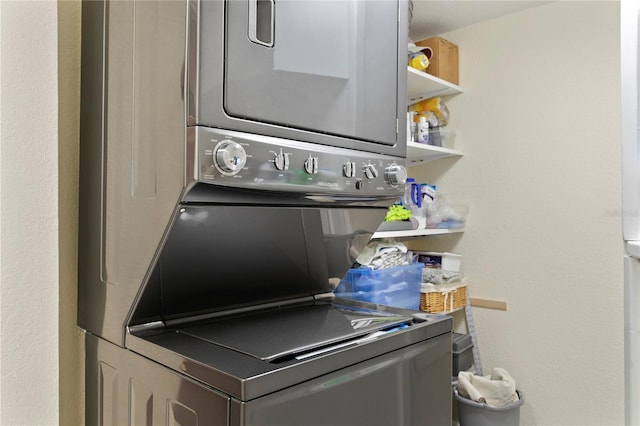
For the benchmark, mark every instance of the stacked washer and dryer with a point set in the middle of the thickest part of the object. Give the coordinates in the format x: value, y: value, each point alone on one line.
x: 236, y: 156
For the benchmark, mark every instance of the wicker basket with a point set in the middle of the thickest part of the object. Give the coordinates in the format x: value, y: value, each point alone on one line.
x: 437, y: 298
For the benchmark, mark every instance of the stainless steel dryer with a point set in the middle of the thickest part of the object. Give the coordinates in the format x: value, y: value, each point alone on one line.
x: 233, y: 165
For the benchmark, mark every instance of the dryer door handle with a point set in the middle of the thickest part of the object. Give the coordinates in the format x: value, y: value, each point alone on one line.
x: 262, y: 22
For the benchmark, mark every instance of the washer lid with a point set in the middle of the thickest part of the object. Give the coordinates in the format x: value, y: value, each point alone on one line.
x: 285, y: 333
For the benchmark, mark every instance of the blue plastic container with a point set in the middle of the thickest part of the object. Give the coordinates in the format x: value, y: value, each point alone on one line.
x: 398, y: 286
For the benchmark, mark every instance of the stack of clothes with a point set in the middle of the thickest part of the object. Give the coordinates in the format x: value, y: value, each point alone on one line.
x: 381, y: 254
x: 441, y: 290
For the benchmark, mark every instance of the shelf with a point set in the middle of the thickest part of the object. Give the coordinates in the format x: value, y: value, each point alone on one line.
x: 416, y: 233
x: 421, y: 85
x: 421, y: 153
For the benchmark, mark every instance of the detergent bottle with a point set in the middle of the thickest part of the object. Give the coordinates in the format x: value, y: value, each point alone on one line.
x: 412, y: 201
x: 412, y: 194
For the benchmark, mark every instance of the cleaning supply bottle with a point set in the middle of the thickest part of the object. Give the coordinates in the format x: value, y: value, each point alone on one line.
x: 412, y: 195
x: 423, y: 130
x: 419, y: 61
x: 436, y: 106
x: 412, y: 201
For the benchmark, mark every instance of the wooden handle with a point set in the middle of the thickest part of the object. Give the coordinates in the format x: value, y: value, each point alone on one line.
x: 489, y: 304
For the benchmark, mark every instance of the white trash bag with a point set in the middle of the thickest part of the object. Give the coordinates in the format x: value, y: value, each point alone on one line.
x: 496, y: 390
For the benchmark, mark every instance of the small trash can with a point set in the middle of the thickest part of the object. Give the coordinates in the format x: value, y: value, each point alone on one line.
x: 472, y: 413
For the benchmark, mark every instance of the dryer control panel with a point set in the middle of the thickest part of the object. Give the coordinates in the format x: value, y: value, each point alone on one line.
x: 244, y: 160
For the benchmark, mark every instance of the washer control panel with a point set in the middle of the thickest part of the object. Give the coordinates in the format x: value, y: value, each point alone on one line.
x: 250, y: 161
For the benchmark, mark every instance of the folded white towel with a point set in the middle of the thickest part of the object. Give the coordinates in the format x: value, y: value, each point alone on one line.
x: 496, y: 390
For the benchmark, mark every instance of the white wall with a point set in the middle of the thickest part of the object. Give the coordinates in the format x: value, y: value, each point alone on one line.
x: 28, y: 214
x: 40, y: 346
x: 539, y: 124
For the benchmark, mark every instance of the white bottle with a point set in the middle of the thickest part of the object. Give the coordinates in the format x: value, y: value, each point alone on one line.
x: 423, y: 130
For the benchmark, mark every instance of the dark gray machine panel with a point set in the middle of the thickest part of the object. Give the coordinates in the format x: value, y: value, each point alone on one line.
x: 401, y: 388
x: 136, y: 391
x: 225, y: 257
x: 230, y: 359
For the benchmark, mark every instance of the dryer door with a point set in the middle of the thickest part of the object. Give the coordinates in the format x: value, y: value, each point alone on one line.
x: 321, y: 66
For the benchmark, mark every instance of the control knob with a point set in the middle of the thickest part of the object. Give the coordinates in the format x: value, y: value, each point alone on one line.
x: 281, y: 160
x: 370, y: 171
x: 229, y: 157
x: 395, y: 175
x: 349, y: 169
x: 311, y: 165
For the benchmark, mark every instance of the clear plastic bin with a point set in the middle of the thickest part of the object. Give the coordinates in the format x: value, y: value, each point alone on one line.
x: 398, y: 286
